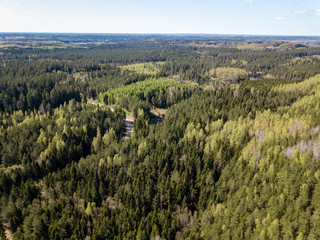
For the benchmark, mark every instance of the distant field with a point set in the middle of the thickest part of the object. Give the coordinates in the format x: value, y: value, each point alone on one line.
x: 264, y: 84
x: 260, y: 46
x: 228, y: 74
x: 144, y: 68
x: 6, y: 46
x: 255, y: 47
x: 40, y: 45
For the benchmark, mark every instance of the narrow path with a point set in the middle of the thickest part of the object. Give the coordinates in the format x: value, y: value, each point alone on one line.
x: 7, y: 232
x: 128, y: 122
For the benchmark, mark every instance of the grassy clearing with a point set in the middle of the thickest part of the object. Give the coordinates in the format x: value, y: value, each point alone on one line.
x: 228, y: 74
x: 158, y: 112
x: 144, y: 89
x: 144, y: 68
x: 264, y: 84
x: 254, y: 47
x: 6, y: 46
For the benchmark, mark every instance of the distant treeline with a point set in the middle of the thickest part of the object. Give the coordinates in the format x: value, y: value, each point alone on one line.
x: 236, y: 156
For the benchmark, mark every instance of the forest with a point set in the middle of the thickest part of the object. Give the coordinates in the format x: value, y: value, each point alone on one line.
x: 234, y: 153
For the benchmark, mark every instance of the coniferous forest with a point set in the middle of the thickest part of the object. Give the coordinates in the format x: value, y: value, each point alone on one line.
x: 159, y: 137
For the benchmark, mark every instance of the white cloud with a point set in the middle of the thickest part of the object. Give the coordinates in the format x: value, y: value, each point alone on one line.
x: 300, y: 12
x: 279, y: 18
x: 306, y: 13
x: 249, y: 1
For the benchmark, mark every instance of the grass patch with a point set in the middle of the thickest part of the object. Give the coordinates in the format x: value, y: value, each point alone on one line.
x: 156, y: 92
x: 228, y: 74
x: 264, y: 84
x: 144, y: 68
x: 144, y: 89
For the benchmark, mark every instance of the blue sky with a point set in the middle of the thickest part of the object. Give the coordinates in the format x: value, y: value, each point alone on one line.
x: 263, y: 17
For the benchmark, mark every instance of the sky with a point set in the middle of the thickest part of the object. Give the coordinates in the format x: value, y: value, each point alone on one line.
x: 253, y: 17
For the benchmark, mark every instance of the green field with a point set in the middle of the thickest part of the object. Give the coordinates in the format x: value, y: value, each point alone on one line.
x: 144, y: 68
x: 151, y: 90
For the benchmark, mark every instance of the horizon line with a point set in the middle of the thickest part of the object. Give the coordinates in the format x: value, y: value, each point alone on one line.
x: 184, y: 34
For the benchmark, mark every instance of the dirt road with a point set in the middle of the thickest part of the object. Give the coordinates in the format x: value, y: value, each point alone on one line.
x: 129, y: 126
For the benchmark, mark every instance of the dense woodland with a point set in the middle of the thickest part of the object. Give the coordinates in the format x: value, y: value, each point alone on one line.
x: 236, y: 156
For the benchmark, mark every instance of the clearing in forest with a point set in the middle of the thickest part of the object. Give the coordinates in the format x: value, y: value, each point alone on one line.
x: 128, y: 125
x: 152, y: 68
